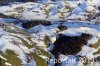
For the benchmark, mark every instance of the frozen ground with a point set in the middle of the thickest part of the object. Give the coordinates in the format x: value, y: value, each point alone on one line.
x: 77, y: 19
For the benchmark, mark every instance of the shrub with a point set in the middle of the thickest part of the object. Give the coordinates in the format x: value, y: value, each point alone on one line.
x: 30, y: 24
x: 69, y: 45
x: 62, y: 27
x: 2, y: 15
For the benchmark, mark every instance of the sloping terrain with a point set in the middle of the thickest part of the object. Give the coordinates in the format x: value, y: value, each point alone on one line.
x: 26, y: 31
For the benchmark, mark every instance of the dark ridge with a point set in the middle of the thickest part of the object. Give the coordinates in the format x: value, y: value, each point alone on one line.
x: 9, y: 1
x: 97, y: 15
x: 2, y: 15
x: 97, y: 59
x: 6, y: 16
x: 62, y: 27
x: 69, y: 45
x: 30, y: 24
x: 99, y: 8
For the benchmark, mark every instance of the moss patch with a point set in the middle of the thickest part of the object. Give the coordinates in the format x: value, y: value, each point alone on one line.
x: 39, y: 60
x: 45, y: 53
x: 96, y: 45
x: 25, y: 42
x: 12, y: 58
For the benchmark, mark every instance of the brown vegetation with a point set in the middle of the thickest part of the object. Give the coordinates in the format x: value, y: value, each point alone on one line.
x: 5, y: 16
x: 30, y: 24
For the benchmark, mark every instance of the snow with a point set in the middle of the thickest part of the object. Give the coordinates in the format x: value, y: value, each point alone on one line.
x: 93, y: 40
x: 50, y: 47
x: 7, y: 20
x: 32, y: 63
x: 53, y: 39
x: 96, y: 55
x: 7, y: 64
x: 89, y: 52
x: 2, y: 57
x: 70, y: 61
x: 38, y: 28
x: 95, y: 64
x: 40, y: 11
x: 75, y: 29
x: 51, y: 61
x: 31, y: 9
x: 2, y: 31
x: 32, y: 49
x: 43, y: 57
x: 20, y: 50
x: 89, y: 9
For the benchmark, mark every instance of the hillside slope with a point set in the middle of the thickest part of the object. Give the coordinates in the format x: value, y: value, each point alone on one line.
x: 28, y: 32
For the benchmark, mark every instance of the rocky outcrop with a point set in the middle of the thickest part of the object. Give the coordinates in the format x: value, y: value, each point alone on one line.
x: 62, y: 27
x: 30, y: 24
x: 69, y: 45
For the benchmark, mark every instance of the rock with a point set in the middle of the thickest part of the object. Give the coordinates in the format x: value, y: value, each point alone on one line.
x: 30, y: 24
x: 62, y: 27
x: 2, y: 15
x: 69, y: 45
x: 99, y: 8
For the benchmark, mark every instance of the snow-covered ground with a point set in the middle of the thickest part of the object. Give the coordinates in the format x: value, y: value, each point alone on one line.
x: 75, y: 14
x: 53, y: 11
